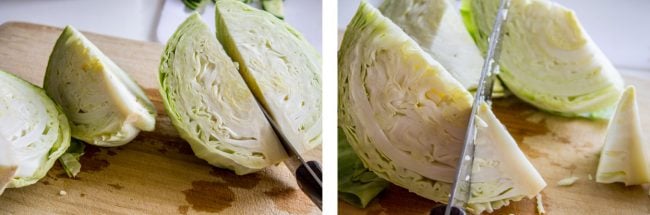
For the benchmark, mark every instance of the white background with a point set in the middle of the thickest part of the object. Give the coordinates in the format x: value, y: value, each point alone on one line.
x: 621, y: 28
x: 145, y: 20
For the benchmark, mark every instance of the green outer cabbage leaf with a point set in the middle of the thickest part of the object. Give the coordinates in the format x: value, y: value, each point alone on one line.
x: 278, y: 64
x: 547, y: 58
x: 35, y: 126
x: 70, y: 159
x: 105, y: 106
x: 357, y: 185
x: 211, y: 106
x: 405, y: 117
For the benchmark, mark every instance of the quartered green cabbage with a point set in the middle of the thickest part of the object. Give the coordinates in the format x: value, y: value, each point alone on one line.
x: 437, y: 27
x: 34, y: 132
x: 278, y: 64
x: 625, y: 157
x: 405, y: 116
x: 104, y: 105
x: 357, y: 185
x: 211, y: 106
x: 547, y: 58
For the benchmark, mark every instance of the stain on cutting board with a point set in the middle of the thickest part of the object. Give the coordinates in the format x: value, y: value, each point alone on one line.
x: 208, y: 196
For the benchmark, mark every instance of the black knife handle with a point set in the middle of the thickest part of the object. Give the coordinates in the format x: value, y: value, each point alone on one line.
x: 440, y: 210
x: 308, y: 184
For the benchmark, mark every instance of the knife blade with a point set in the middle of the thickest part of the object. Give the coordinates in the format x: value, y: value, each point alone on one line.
x: 307, y: 173
x: 460, y: 191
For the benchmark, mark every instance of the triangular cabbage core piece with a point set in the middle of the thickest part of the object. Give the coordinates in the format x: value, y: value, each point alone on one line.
x: 625, y: 157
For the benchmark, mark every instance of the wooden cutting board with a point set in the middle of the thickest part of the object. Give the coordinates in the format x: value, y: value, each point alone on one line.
x: 558, y: 147
x: 157, y: 173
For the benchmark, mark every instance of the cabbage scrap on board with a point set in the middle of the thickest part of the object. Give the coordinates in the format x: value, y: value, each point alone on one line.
x: 405, y: 116
x: 547, y: 59
x: 278, y: 64
x: 625, y: 157
x: 438, y: 28
x: 357, y: 185
x: 211, y: 106
x: 105, y: 106
x: 34, y: 132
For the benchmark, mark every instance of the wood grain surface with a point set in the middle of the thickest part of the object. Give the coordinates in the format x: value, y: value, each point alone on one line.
x: 558, y: 147
x: 157, y: 173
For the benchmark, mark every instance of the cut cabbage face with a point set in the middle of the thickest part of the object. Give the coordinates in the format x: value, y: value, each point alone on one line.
x: 34, y: 128
x: 625, y: 157
x: 437, y: 27
x: 547, y: 58
x: 280, y: 67
x: 210, y: 105
x: 405, y: 116
x: 104, y: 105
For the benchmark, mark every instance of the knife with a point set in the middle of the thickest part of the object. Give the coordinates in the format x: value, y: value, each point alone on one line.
x: 308, y: 173
x: 460, y: 190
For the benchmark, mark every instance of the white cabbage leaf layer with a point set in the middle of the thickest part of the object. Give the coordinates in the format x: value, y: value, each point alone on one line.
x: 105, y: 106
x: 625, y: 157
x: 33, y: 129
x: 405, y: 116
x: 438, y: 28
x: 210, y: 104
x: 278, y: 64
x: 547, y: 59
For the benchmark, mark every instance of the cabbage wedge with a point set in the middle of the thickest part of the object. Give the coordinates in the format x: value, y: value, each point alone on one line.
x: 211, y: 106
x: 34, y: 132
x: 105, y: 106
x: 278, y: 64
x: 438, y: 28
x: 547, y: 58
x: 625, y: 157
x: 405, y: 116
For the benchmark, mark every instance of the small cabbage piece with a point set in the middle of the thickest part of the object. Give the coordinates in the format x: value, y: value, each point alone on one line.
x: 105, y: 106
x: 8, y: 164
x: 278, y: 64
x: 625, y: 157
x: 405, y: 117
x: 438, y: 28
x: 70, y: 159
x: 34, y: 126
x: 547, y: 59
x: 274, y: 7
x: 211, y: 106
x: 357, y: 185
